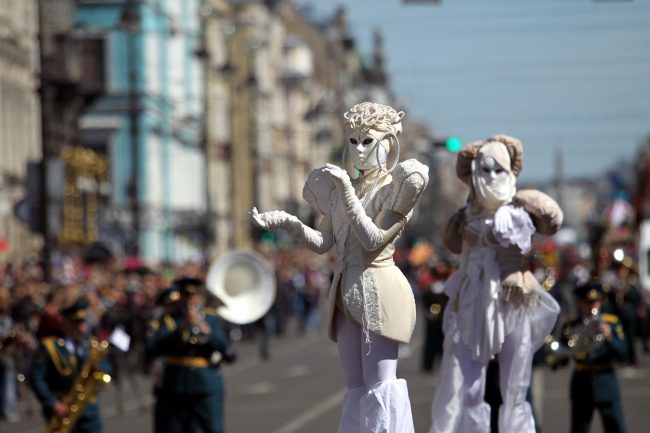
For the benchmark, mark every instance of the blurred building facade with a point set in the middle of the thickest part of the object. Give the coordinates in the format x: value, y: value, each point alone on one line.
x: 277, y: 85
x: 160, y: 124
x: 20, y: 130
x: 149, y: 125
x: 156, y: 126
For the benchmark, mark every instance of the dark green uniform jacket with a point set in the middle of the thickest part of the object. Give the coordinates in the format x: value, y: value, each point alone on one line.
x: 188, y: 356
x: 54, y: 371
x: 594, y: 384
x: 191, y: 394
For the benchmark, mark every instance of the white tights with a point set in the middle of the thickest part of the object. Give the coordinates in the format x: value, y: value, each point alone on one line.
x: 459, y: 407
x: 380, y: 365
x: 375, y: 401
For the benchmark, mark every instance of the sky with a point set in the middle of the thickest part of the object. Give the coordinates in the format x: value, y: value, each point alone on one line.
x: 563, y: 76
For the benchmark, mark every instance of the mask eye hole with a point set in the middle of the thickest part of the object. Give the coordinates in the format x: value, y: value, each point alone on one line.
x: 498, y: 170
x: 368, y: 141
x: 353, y: 141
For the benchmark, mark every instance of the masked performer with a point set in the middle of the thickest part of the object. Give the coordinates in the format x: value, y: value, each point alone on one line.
x: 496, y: 307
x: 371, y: 306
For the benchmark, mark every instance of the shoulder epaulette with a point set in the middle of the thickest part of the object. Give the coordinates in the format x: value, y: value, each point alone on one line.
x: 609, y: 318
x: 210, y: 311
x: 170, y: 323
x: 64, y: 368
x: 48, y: 340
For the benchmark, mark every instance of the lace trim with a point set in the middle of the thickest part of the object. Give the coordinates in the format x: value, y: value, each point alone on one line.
x: 370, y: 297
x: 516, y: 295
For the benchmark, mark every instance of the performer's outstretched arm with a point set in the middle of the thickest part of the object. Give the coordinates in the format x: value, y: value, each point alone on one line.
x: 319, y: 241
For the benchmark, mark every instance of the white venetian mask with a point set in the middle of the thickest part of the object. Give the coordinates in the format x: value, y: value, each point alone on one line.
x: 491, y: 172
x: 365, y: 150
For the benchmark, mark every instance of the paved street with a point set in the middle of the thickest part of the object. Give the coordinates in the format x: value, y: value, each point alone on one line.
x: 301, y: 387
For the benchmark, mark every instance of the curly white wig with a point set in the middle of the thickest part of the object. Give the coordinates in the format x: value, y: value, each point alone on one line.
x: 371, y: 115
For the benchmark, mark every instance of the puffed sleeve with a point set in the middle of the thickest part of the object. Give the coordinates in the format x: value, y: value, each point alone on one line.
x: 544, y: 211
x: 409, y: 180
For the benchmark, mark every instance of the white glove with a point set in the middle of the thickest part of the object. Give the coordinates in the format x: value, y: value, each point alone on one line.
x: 275, y: 219
x: 503, y: 220
x: 371, y: 236
x: 513, y: 226
x: 319, y: 241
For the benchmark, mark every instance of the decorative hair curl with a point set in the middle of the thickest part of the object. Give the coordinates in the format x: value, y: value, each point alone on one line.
x: 371, y: 115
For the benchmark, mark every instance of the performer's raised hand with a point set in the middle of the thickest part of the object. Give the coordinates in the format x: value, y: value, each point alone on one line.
x: 338, y: 175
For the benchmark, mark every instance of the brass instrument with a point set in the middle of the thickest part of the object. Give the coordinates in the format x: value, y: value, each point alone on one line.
x: 83, y: 390
x: 582, y: 339
x: 245, y: 283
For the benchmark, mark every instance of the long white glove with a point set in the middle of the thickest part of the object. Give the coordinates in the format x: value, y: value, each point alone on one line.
x: 319, y: 241
x: 369, y: 235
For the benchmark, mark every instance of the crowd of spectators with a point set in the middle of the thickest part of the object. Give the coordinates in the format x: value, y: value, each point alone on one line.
x: 123, y: 293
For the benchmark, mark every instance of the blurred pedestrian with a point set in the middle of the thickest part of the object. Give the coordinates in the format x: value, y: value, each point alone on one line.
x: 430, y: 282
x: 8, y: 346
x: 167, y: 314
x: 51, y: 321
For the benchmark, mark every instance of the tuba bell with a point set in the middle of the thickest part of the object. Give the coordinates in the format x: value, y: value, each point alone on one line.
x: 244, y: 283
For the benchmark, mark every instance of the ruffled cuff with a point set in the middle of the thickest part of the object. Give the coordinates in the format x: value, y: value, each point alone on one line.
x: 518, y: 232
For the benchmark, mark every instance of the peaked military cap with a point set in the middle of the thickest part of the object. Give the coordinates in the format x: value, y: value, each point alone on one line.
x: 188, y: 286
x: 76, y: 311
x: 590, y: 291
x: 168, y: 295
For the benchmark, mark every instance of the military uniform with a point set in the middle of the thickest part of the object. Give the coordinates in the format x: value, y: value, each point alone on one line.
x: 57, y: 364
x: 594, y: 384
x: 191, y: 393
x: 624, y: 302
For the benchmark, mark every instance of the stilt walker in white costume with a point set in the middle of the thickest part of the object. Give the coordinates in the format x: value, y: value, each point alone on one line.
x: 371, y: 308
x: 496, y: 306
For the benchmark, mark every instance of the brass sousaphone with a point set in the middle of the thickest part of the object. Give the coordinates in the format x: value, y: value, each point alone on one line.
x: 245, y: 283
